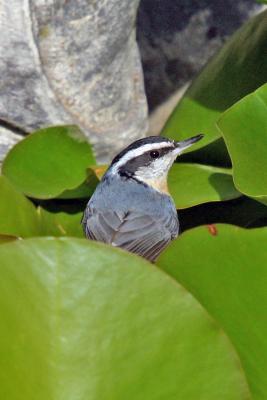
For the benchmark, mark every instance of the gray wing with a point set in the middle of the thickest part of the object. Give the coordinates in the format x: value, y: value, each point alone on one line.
x: 141, y: 234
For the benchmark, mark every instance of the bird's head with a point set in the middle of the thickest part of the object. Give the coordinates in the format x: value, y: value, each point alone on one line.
x: 148, y: 160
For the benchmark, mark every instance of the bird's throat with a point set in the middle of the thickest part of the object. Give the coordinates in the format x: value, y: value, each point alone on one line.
x: 161, y: 185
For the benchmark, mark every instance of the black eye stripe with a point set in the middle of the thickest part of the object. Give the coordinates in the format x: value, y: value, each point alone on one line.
x: 154, y: 154
x: 143, y: 160
x: 147, y: 155
x: 161, y: 152
x: 139, y: 143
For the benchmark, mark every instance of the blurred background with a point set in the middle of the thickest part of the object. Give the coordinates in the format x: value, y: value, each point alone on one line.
x: 176, y: 38
x: 78, y: 62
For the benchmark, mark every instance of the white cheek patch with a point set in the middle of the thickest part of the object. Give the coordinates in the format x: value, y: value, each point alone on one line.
x: 158, y: 169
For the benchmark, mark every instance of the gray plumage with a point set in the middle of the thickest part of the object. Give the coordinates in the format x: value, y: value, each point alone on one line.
x: 131, y: 207
x: 145, y: 232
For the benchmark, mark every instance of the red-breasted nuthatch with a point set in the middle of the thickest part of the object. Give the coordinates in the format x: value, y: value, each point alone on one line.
x: 131, y: 207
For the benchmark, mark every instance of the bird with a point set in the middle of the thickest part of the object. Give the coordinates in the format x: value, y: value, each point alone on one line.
x: 131, y: 207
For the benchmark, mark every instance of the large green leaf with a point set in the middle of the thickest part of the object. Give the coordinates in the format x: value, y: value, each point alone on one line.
x: 49, y: 161
x: 225, y: 268
x: 83, y: 191
x: 238, y: 69
x: 59, y: 223
x: 20, y: 218
x: 192, y: 184
x: 244, y: 127
x: 215, y: 154
x: 84, y: 321
x: 18, y: 215
x: 7, y: 238
x: 87, y: 188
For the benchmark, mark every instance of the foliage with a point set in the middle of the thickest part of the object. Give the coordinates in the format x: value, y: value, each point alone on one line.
x: 67, y: 155
x: 82, y: 320
x: 226, y: 271
x: 249, y: 152
x: 102, y: 324
x: 238, y: 69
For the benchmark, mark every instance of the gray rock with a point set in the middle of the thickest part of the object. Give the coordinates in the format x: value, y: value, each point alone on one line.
x: 177, y: 37
x: 73, y: 62
x: 7, y: 140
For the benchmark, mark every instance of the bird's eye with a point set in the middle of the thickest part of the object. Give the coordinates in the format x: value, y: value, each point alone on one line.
x: 154, y: 154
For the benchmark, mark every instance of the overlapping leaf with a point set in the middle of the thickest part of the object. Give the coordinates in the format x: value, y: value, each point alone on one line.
x: 7, y: 238
x: 85, y: 189
x: 17, y: 214
x: 238, y: 69
x: 193, y: 184
x: 48, y: 162
x: 92, y: 322
x: 20, y: 218
x: 59, y: 223
x: 225, y: 268
x: 244, y: 127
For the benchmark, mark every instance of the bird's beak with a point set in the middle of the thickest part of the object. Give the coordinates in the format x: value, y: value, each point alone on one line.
x: 184, y: 144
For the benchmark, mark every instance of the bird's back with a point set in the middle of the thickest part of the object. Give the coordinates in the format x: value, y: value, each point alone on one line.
x: 131, y: 215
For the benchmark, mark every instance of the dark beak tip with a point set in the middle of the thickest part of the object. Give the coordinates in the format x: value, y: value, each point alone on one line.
x: 188, y: 142
x: 197, y: 137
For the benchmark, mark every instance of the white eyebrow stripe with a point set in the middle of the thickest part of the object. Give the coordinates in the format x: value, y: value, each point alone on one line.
x: 138, y: 152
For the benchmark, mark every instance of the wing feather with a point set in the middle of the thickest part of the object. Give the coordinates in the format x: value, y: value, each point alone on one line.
x: 141, y: 234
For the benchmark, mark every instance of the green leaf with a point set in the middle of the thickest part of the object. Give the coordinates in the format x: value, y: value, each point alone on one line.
x: 225, y: 268
x: 59, y: 223
x: 7, y: 238
x: 49, y: 161
x: 215, y: 154
x: 244, y: 128
x: 20, y: 218
x: 85, y: 190
x: 18, y: 215
x: 193, y: 184
x: 238, y: 69
x: 81, y: 320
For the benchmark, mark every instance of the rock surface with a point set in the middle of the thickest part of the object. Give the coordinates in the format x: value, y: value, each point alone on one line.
x: 77, y: 62
x: 177, y: 37
x: 7, y: 140
x: 73, y: 62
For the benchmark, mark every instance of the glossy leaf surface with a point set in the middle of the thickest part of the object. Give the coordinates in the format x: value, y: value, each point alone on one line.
x: 18, y: 215
x: 193, y: 184
x: 85, y: 190
x: 225, y: 268
x: 49, y: 161
x: 92, y: 322
x: 59, y: 223
x: 244, y: 127
x: 238, y: 69
x: 7, y: 238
